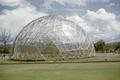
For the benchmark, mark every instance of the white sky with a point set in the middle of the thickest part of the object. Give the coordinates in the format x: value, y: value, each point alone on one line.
x: 99, y: 18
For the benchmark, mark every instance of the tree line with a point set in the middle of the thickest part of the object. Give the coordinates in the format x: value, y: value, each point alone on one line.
x: 100, y: 46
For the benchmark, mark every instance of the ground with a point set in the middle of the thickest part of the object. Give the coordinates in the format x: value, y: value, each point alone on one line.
x: 100, y: 57
x: 101, y: 67
x: 68, y: 71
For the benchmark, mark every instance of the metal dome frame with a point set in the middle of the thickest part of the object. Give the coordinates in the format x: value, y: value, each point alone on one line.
x: 52, y: 37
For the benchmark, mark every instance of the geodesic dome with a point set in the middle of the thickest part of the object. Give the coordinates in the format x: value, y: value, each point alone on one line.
x: 52, y: 37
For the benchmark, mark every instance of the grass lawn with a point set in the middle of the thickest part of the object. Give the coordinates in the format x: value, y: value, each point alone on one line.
x: 71, y: 71
x: 97, y: 58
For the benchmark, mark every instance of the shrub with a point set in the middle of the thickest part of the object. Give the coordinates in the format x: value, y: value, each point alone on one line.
x: 5, y: 50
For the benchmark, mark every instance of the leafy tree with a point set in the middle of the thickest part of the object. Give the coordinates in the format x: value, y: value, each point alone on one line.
x: 108, y: 48
x: 50, y: 50
x: 99, y: 46
x: 117, y: 47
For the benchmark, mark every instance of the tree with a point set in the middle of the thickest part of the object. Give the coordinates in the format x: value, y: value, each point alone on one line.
x: 108, y: 48
x: 117, y: 47
x: 99, y: 46
x: 5, y: 39
x: 50, y: 50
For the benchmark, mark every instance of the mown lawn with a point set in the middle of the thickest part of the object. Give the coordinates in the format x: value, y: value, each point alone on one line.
x: 71, y: 71
x: 98, y: 58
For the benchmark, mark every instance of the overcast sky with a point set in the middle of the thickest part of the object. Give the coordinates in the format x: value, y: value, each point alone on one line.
x: 99, y: 18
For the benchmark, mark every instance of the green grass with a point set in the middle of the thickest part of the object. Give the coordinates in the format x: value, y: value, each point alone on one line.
x: 72, y: 71
x: 97, y: 58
